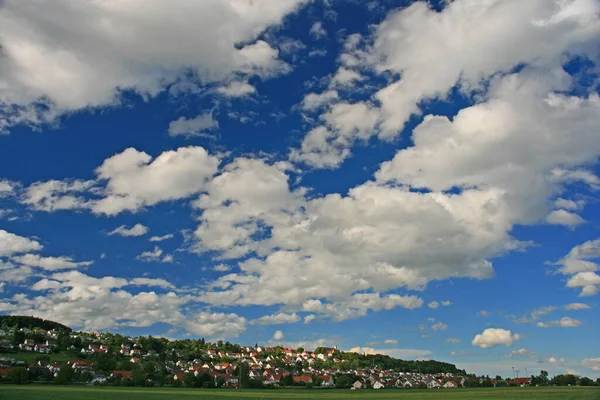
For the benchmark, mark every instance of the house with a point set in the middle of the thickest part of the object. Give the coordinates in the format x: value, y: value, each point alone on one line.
x: 358, y: 385
x: 179, y: 376
x: 327, y: 381
x: 42, y: 348
x: 522, y: 381
x: 378, y: 385
x: 120, y: 374
x: 304, y: 378
x: 450, y: 385
x: 433, y: 384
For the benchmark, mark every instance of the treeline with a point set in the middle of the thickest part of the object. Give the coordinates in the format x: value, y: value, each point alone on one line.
x: 360, y: 361
x: 31, y: 322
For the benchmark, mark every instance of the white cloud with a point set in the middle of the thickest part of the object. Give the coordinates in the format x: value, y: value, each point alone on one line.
x: 392, y: 342
x: 520, y: 352
x: 483, y: 33
x: 197, y: 126
x: 278, y: 335
x: 2, y: 284
x: 591, y: 363
x: 345, y: 78
x: 56, y: 195
x: 215, y: 325
x: 565, y: 322
x: 276, y: 319
x: 14, y: 244
x: 81, y: 297
x: 314, y: 101
x: 151, y: 282
x: 569, y: 204
x: 236, y: 89
x: 327, y: 146
x: 134, y: 180
x: 433, y: 304
x: 161, y: 238
x: 129, y: 50
x: 446, y: 303
x: 578, y: 264
x: 317, y: 31
x: 492, y: 337
x: 577, y: 306
x: 484, y: 313
x: 440, y: 326
x: 136, y: 230
x: 309, y: 318
x: 6, y: 188
x: 155, y: 255
x: 221, y: 268
x: 453, y: 340
x: 49, y: 263
x: 564, y: 217
x: 552, y: 360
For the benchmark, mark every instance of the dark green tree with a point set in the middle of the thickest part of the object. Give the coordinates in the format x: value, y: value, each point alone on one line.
x: 65, y: 375
x: 18, y: 376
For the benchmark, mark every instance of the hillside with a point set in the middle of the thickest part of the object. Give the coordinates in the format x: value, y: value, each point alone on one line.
x: 31, y: 322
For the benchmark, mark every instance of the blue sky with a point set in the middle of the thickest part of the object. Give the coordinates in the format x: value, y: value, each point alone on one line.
x: 411, y: 178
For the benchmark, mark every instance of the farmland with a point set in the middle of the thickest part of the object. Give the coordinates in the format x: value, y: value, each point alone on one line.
x: 10, y: 392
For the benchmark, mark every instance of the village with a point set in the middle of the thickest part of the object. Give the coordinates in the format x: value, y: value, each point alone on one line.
x: 261, y: 366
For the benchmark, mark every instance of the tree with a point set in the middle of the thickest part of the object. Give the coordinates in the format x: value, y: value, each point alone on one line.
x: 18, y: 337
x: 18, y: 376
x: 65, y: 375
x: 585, y: 381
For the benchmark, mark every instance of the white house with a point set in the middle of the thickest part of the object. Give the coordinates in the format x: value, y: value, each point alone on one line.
x: 378, y: 385
x: 450, y: 385
x: 358, y: 385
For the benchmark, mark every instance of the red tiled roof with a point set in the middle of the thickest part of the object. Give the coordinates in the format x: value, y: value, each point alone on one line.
x: 122, y: 374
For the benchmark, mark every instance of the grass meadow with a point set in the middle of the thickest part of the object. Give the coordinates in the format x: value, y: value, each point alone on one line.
x: 45, y: 392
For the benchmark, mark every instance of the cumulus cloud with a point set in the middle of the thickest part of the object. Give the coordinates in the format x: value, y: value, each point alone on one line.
x: 155, y: 255
x: 564, y: 217
x: 136, y: 230
x: 579, y: 266
x: 433, y: 304
x: 439, y: 326
x: 591, y: 363
x: 129, y: 181
x: 140, y: 52
x: 134, y: 180
x: 278, y: 335
x: 6, y: 188
x: 236, y: 89
x: 161, y: 238
x: 197, y: 126
x: 492, y: 337
x: 314, y: 101
x: 75, y: 299
x: 520, y: 352
x: 565, y: 322
x: 276, y: 319
x: 577, y: 306
x: 56, y: 195
x: 317, y: 31
x: 14, y: 244
x: 151, y: 282
x: 221, y: 268
x: 49, y: 263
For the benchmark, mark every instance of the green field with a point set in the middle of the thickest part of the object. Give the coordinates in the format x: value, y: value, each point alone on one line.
x: 34, y: 392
